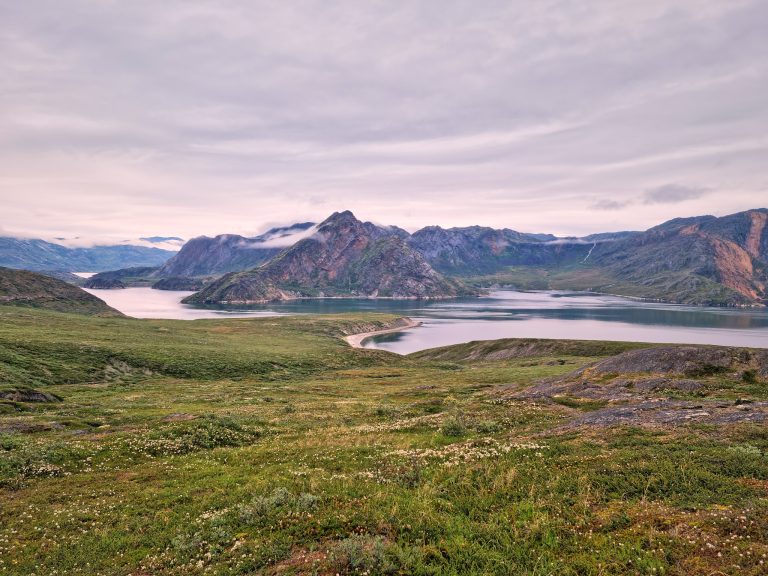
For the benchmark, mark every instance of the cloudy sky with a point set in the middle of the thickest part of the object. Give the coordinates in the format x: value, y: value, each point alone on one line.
x: 186, y: 117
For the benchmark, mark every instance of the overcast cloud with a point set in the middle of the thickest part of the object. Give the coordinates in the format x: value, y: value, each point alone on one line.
x: 125, y: 119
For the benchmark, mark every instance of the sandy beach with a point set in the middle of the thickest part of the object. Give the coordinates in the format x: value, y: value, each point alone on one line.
x: 356, y: 340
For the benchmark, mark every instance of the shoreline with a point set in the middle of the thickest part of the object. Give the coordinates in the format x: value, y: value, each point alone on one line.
x: 356, y: 340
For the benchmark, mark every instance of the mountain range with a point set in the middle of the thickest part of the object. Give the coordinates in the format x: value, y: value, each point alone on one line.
x: 40, y: 255
x: 343, y: 257
x: 703, y: 260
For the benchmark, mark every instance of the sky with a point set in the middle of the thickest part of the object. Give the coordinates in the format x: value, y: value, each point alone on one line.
x: 187, y: 117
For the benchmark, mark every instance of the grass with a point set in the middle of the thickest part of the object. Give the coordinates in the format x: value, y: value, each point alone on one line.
x: 269, y: 446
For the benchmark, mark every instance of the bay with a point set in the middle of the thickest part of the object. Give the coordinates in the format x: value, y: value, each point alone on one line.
x: 500, y: 314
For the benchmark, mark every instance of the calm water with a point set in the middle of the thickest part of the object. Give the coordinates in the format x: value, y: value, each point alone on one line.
x: 502, y: 314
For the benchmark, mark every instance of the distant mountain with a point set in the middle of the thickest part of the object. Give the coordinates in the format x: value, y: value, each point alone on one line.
x: 701, y: 260
x: 137, y: 276
x: 30, y: 289
x: 480, y: 250
x: 141, y: 277
x: 609, y: 236
x: 204, y: 256
x: 344, y: 256
x: 161, y: 239
x: 39, y: 255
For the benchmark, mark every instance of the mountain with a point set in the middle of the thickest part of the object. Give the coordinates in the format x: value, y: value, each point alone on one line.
x: 121, y: 278
x: 40, y: 255
x: 29, y: 289
x: 344, y: 256
x: 204, y: 256
x: 480, y: 250
x: 702, y: 260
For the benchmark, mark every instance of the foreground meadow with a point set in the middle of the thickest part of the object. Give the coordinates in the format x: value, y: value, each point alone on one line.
x: 270, y: 446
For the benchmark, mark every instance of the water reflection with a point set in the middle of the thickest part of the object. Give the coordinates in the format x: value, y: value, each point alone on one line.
x: 501, y: 314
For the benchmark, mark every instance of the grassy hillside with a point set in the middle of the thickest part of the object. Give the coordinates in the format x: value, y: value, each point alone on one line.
x: 269, y: 446
x: 22, y: 288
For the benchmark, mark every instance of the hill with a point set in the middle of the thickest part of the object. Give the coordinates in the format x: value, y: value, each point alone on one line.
x: 29, y: 289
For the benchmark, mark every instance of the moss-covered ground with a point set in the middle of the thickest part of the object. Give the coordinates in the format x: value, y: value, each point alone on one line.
x: 269, y: 446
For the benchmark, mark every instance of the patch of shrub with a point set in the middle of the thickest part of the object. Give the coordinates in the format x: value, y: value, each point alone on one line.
x: 488, y: 427
x: 385, y: 411
x: 203, y: 433
x: 263, y: 507
x: 749, y: 376
x: 361, y: 554
x: 454, y: 426
x: 21, y: 460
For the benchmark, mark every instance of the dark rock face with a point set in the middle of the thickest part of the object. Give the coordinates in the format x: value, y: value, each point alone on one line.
x: 663, y: 412
x: 22, y: 288
x: 344, y: 257
x: 390, y: 268
x: 239, y: 288
x: 179, y: 283
x: 204, y: 256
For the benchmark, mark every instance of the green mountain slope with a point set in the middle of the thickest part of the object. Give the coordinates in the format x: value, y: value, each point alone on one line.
x: 29, y: 289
